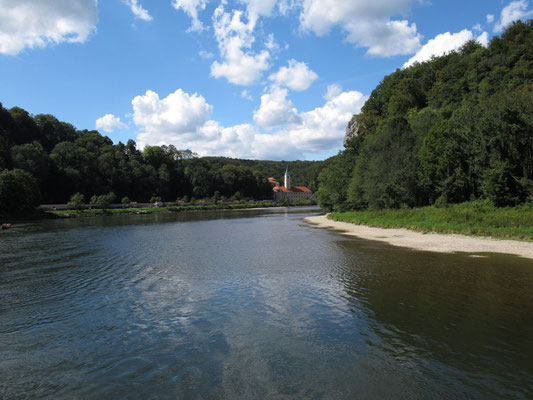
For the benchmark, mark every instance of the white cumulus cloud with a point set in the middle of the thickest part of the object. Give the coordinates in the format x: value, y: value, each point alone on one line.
x: 206, y: 55
x: 323, y: 128
x: 240, y: 65
x: 366, y: 23
x: 181, y: 119
x: 333, y: 91
x: 276, y: 109
x: 514, y: 11
x: 260, y: 7
x: 173, y: 119
x: 191, y: 8
x: 138, y: 10
x: 108, y: 123
x: 236, y: 141
x: 444, y: 43
x: 296, y: 76
x: 272, y: 45
x: 319, y: 130
x: 38, y: 23
x: 286, y: 6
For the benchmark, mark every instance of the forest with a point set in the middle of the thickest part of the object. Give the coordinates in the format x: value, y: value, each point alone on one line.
x: 453, y: 129
x: 47, y: 161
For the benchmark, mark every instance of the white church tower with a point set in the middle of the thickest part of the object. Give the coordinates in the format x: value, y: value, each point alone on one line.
x: 287, y: 179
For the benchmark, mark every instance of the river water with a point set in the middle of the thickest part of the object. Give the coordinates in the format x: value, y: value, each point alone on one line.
x: 254, y: 305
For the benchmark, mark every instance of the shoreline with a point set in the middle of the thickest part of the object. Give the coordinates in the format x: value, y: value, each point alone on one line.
x: 436, y: 242
x: 69, y: 214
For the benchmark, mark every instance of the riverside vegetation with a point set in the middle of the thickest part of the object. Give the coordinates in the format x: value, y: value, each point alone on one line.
x: 471, y: 218
x: 44, y: 160
x: 73, y: 212
x: 455, y: 129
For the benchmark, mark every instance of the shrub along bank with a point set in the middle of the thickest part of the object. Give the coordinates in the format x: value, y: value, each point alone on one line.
x: 479, y: 218
x: 198, y: 207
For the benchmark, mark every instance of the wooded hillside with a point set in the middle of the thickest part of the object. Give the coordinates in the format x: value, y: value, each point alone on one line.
x: 453, y: 129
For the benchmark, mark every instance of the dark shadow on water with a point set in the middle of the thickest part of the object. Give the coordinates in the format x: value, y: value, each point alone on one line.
x: 451, y: 316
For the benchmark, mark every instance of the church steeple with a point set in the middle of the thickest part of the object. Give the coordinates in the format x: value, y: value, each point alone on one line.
x: 287, y: 179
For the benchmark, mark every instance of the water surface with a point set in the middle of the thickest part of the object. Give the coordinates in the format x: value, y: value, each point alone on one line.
x: 254, y: 304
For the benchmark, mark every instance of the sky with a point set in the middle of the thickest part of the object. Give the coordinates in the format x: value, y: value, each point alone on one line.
x: 259, y: 79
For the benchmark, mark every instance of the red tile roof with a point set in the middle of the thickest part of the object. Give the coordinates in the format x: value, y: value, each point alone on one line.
x: 293, y: 189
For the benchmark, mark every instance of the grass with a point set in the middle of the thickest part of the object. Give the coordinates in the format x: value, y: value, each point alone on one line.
x: 199, y: 207
x: 476, y: 218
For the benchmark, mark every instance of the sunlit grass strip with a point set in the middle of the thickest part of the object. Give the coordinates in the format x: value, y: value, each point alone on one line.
x: 199, y: 207
x: 472, y: 218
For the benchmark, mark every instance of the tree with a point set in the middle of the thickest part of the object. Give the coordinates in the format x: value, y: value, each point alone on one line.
x: 5, y: 154
x: 54, y: 131
x: 32, y: 158
x: 334, y: 180
x: 19, y: 192
x: 76, y: 201
x: 25, y: 129
x: 103, y: 200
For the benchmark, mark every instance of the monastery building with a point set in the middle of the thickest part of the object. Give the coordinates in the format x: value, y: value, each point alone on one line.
x: 289, y: 192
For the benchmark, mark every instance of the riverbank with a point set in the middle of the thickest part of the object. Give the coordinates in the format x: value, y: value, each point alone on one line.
x: 442, y: 243
x: 169, y: 209
x: 475, y: 218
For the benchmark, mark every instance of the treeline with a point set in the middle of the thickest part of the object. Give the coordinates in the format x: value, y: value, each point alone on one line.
x: 453, y: 129
x: 303, y: 173
x: 44, y: 160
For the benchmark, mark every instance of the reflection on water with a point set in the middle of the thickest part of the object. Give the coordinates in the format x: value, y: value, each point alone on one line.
x: 254, y: 304
x: 449, y: 318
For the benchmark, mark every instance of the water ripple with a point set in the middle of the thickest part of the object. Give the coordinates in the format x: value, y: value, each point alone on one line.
x: 240, y: 305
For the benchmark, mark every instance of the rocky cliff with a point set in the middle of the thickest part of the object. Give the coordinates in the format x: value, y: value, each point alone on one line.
x: 352, y: 130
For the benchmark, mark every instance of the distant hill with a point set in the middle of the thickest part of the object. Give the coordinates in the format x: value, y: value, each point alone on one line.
x: 304, y: 173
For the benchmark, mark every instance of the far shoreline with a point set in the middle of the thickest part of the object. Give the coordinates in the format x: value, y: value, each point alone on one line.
x: 109, y: 212
x: 436, y: 242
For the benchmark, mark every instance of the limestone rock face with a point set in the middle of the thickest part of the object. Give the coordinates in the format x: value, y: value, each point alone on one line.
x: 352, y: 130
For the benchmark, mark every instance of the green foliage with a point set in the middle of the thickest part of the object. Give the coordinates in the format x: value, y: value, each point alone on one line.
x: 453, y: 129
x: 125, y: 200
x: 76, y: 201
x: 155, y: 199
x: 334, y: 181
x: 53, y: 131
x: 471, y: 218
x: 304, y: 173
x: 103, y: 200
x: 31, y: 157
x: 19, y: 192
x: 173, y: 209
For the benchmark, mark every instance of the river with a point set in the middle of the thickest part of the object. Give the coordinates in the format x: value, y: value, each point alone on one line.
x: 254, y: 305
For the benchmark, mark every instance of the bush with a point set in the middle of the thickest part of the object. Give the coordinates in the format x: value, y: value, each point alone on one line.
x: 103, y: 200
x: 19, y: 192
x: 76, y: 201
x: 155, y: 199
x: 500, y: 187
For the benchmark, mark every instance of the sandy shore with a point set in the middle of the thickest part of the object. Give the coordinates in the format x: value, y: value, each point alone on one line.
x: 427, y: 241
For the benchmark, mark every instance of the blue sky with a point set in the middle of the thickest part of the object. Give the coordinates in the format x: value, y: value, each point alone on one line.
x: 267, y: 79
